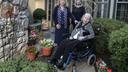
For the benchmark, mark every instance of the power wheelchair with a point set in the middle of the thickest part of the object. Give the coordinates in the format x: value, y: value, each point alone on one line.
x: 77, y: 55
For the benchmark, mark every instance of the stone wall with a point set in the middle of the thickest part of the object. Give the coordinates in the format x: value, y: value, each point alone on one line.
x: 13, y: 27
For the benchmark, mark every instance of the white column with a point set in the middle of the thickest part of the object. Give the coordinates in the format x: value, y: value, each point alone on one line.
x: 102, y: 9
x: 111, y: 9
x: 54, y: 3
x: 71, y: 4
x: 115, y: 12
x: 51, y: 8
x: 47, y: 10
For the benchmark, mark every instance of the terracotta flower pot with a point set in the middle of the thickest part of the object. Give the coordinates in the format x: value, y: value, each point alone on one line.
x: 46, y: 51
x: 31, y: 56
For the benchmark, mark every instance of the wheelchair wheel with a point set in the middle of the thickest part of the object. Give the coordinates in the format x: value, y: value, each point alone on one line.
x: 91, y: 59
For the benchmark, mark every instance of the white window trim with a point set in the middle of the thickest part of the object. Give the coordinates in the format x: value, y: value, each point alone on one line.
x: 111, y: 8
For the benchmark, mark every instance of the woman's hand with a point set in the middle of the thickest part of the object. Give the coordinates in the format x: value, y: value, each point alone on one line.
x: 58, y: 26
x: 70, y: 38
x: 76, y: 21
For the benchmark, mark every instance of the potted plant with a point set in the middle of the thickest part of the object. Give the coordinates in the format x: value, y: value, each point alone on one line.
x: 39, y: 14
x: 31, y: 53
x: 41, y: 35
x: 32, y: 36
x: 101, y: 66
x: 40, y: 38
x: 47, y: 46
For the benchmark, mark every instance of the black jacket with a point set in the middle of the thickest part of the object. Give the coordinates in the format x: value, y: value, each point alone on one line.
x: 68, y: 16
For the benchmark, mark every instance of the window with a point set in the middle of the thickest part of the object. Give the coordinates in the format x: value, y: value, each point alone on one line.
x: 123, y: 0
x: 102, y: 8
x: 121, y: 12
x: 102, y: 0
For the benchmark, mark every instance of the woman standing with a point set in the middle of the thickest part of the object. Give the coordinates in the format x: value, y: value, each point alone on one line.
x: 78, y: 10
x: 61, y: 17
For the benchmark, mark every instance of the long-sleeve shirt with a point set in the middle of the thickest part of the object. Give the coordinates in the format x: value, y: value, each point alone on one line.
x: 78, y: 12
x: 78, y: 32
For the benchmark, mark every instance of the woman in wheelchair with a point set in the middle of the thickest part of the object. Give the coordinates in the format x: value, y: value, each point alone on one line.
x: 82, y: 32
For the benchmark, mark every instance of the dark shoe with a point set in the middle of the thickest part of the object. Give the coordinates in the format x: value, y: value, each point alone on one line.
x: 60, y: 66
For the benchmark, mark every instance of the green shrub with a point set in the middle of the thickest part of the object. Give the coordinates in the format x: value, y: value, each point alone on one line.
x: 38, y: 14
x: 38, y: 66
x: 14, y: 65
x: 102, y: 29
x: 118, y: 46
x: 21, y: 64
x: 111, y: 43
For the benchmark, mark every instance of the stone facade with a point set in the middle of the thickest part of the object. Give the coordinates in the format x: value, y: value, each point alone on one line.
x: 13, y: 28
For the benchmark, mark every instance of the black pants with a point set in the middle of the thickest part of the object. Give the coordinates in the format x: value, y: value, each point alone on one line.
x: 65, y: 47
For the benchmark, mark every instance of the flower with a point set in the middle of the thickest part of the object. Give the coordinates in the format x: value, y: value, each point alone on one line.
x: 47, y: 43
x: 109, y: 70
x: 101, y: 65
x: 33, y: 33
x: 41, y: 41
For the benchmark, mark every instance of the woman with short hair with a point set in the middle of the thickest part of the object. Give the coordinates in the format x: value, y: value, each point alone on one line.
x: 61, y: 18
x: 82, y: 32
x: 78, y: 10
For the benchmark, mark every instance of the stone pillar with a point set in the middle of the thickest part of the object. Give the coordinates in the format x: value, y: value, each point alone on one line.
x: 13, y: 28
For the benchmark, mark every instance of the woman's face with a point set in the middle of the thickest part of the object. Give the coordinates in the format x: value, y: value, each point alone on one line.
x: 78, y: 1
x: 62, y: 2
x: 85, y: 19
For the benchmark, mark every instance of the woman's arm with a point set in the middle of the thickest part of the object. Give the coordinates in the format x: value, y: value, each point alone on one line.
x: 70, y: 14
x: 54, y: 15
x: 73, y: 13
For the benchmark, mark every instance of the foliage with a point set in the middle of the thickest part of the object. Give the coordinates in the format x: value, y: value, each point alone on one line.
x: 20, y: 64
x: 13, y: 65
x: 38, y: 66
x: 101, y: 66
x: 47, y: 43
x: 39, y: 13
x: 40, y: 35
x: 32, y: 36
x: 118, y: 46
x: 112, y: 40
x: 31, y: 49
x: 102, y: 29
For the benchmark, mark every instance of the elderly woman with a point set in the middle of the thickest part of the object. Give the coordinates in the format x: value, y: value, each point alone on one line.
x: 78, y: 10
x: 82, y: 32
x: 61, y: 17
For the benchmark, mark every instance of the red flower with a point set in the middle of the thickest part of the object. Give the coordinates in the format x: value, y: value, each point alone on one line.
x: 109, y: 70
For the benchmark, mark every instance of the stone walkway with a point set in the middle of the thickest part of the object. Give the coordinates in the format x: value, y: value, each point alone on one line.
x: 81, y: 66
